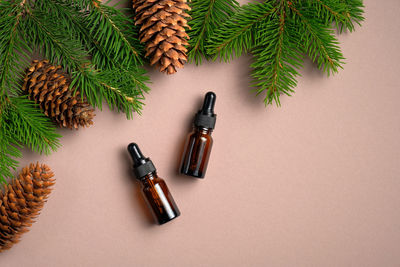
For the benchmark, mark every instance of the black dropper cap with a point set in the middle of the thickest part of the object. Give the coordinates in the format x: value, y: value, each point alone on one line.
x: 206, y: 117
x: 141, y: 165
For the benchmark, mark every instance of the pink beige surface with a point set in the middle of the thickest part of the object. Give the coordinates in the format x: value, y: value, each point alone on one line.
x: 315, y: 182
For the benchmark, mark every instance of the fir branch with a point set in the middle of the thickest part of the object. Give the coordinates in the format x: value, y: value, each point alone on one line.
x: 342, y: 13
x: 354, y: 13
x: 53, y: 42
x: 206, y: 16
x: 332, y: 11
x: 13, y: 49
x: 8, y: 150
x: 319, y: 41
x: 277, y: 58
x: 7, y: 155
x: 113, y: 50
x: 119, y: 93
x: 27, y: 124
x: 68, y: 14
x: 105, y: 24
x: 236, y: 36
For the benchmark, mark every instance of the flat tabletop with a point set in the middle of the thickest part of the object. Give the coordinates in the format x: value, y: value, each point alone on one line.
x: 315, y: 182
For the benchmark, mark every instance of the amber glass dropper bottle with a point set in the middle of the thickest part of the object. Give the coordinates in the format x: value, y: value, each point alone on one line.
x: 154, y: 188
x: 199, y: 143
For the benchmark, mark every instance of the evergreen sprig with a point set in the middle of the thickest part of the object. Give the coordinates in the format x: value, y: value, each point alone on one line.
x: 278, y: 33
x: 9, y: 151
x: 237, y: 34
x: 95, y: 43
x: 275, y: 64
x: 13, y: 47
x: 116, y: 49
x: 27, y: 124
x: 206, y: 16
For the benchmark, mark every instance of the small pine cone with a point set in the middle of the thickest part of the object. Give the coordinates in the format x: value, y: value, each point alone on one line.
x: 162, y: 29
x: 48, y: 86
x: 21, y: 202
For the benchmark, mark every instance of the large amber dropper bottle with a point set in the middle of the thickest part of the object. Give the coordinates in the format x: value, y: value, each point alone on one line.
x: 154, y: 188
x: 199, y: 143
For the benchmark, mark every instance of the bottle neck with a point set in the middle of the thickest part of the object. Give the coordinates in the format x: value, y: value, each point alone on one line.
x: 203, y: 130
x: 148, y: 178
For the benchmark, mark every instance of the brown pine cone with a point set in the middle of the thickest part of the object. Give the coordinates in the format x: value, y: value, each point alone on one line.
x: 21, y: 202
x: 48, y: 86
x: 162, y: 29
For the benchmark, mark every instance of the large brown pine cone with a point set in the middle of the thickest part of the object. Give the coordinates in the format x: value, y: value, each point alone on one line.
x: 162, y: 29
x: 21, y: 201
x: 48, y: 86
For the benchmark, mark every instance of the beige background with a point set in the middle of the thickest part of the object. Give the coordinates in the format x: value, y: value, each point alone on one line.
x: 313, y: 183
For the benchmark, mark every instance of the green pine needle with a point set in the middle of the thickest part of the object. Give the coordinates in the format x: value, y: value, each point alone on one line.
x: 115, y: 33
x: 116, y: 50
x: 207, y: 16
x: 275, y: 66
x: 237, y: 34
x: 9, y: 153
x: 13, y: 48
x: 27, y: 124
x: 319, y: 41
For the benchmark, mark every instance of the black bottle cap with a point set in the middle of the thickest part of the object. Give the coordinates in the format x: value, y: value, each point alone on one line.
x: 142, y: 166
x: 206, y: 117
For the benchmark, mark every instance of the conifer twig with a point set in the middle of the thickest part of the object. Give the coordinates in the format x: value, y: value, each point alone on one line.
x: 207, y: 16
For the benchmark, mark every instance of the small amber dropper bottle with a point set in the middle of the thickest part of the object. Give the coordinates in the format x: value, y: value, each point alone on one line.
x: 199, y: 143
x: 154, y: 188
